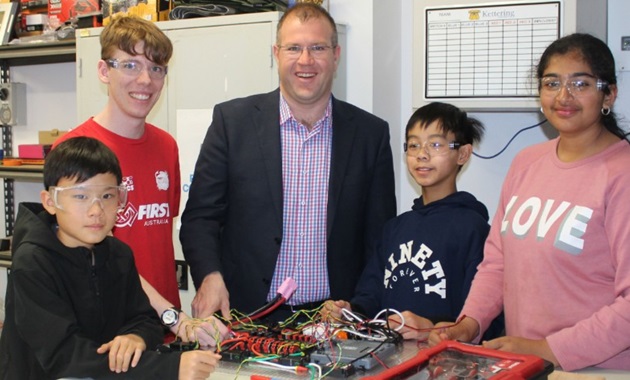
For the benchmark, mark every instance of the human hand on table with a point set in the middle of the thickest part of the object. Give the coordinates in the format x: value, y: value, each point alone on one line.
x: 124, y: 351
x: 538, y: 347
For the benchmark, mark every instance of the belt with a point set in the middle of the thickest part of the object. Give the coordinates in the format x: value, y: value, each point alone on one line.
x: 304, y: 306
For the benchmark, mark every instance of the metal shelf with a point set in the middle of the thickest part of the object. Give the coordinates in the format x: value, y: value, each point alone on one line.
x: 38, y: 53
x: 10, y: 174
x: 22, y: 172
x: 5, y: 259
x: 21, y: 55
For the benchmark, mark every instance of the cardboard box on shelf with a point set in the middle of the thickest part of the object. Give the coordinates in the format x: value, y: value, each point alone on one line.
x: 152, y: 10
x: 49, y: 137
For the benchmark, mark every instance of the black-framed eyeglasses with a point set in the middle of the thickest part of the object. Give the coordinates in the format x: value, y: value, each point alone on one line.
x: 433, y: 146
x: 134, y: 68
x: 316, y: 51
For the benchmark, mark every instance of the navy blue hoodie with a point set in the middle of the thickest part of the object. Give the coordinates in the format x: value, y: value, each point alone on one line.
x: 426, y: 259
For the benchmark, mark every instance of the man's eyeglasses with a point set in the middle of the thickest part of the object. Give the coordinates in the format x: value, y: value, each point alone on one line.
x: 82, y: 197
x: 434, y: 146
x: 577, y: 86
x: 134, y: 68
x: 316, y: 51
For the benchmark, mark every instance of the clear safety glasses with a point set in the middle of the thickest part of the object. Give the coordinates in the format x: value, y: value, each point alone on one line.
x: 576, y: 86
x: 134, y: 68
x: 435, y: 146
x: 82, y: 197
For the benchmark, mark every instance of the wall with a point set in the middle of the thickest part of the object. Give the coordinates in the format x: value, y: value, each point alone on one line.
x: 618, y: 12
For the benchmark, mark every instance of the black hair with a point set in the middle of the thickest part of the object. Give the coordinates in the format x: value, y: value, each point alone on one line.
x: 596, y: 54
x: 80, y: 158
x: 467, y: 130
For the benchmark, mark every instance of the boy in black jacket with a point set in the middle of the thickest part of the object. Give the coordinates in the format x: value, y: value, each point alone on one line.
x: 74, y: 304
x: 427, y: 257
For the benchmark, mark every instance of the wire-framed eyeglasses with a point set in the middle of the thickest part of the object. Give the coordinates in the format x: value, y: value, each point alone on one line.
x: 576, y: 86
x: 134, y: 68
x: 82, y: 197
x: 316, y: 51
x: 434, y: 146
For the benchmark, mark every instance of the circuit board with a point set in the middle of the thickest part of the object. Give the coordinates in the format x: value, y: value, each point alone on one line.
x: 362, y: 354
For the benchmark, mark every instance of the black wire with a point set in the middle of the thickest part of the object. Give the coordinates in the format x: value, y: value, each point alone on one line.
x: 265, y: 306
x: 369, y: 353
x: 509, y: 142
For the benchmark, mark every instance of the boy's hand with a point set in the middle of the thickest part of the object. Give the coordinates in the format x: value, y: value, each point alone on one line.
x: 123, y: 351
x: 197, y: 364
x: 332, y: 309
x: 415, y: 326
x: 208, y: 332
x: 465, y: 331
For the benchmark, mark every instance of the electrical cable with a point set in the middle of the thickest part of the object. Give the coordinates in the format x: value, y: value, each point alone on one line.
x: 268, y: 308
x: 184, y: 9
x: 510, y: 141
x: 285, y: 291
x: 192, y: 11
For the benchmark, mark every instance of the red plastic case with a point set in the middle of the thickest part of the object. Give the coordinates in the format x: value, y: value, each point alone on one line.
x: 455, y: 360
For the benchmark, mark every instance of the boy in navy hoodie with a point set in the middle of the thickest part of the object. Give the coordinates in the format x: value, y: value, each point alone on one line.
x: 75, y: 307
x: 427, y: 257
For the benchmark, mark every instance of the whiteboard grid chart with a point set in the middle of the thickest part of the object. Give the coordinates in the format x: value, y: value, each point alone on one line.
x: 487, y: 51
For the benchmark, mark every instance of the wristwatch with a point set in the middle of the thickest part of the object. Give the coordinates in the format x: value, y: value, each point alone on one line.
x: 170, y: 316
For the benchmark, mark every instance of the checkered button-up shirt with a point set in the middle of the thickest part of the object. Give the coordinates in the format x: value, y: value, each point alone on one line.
x: 305, y: 173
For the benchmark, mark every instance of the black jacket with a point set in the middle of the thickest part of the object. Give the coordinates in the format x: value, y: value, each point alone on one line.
x: 63, y: 303
x: 233, y: 220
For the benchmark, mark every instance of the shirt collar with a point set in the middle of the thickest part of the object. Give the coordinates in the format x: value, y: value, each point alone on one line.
x: 286, y: 114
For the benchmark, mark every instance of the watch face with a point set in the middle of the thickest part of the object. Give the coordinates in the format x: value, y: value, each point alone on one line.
x: 169, y: 317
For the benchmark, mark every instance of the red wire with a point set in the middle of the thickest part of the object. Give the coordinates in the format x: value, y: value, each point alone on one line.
x: 378, y: 360
x: 260, y: 314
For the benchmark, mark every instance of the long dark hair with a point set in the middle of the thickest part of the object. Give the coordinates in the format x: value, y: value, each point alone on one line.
x: 597, y: 56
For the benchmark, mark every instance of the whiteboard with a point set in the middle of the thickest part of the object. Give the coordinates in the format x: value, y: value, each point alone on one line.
x: 487, y: 51
x: 483, y: 56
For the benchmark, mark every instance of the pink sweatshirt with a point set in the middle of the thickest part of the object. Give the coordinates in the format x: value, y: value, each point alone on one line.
x: 558, y: 256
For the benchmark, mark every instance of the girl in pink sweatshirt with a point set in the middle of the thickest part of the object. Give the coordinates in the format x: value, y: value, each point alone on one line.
x: 557, y: 259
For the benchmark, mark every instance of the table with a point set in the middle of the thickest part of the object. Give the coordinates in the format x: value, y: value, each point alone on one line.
x: 228, y: 371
